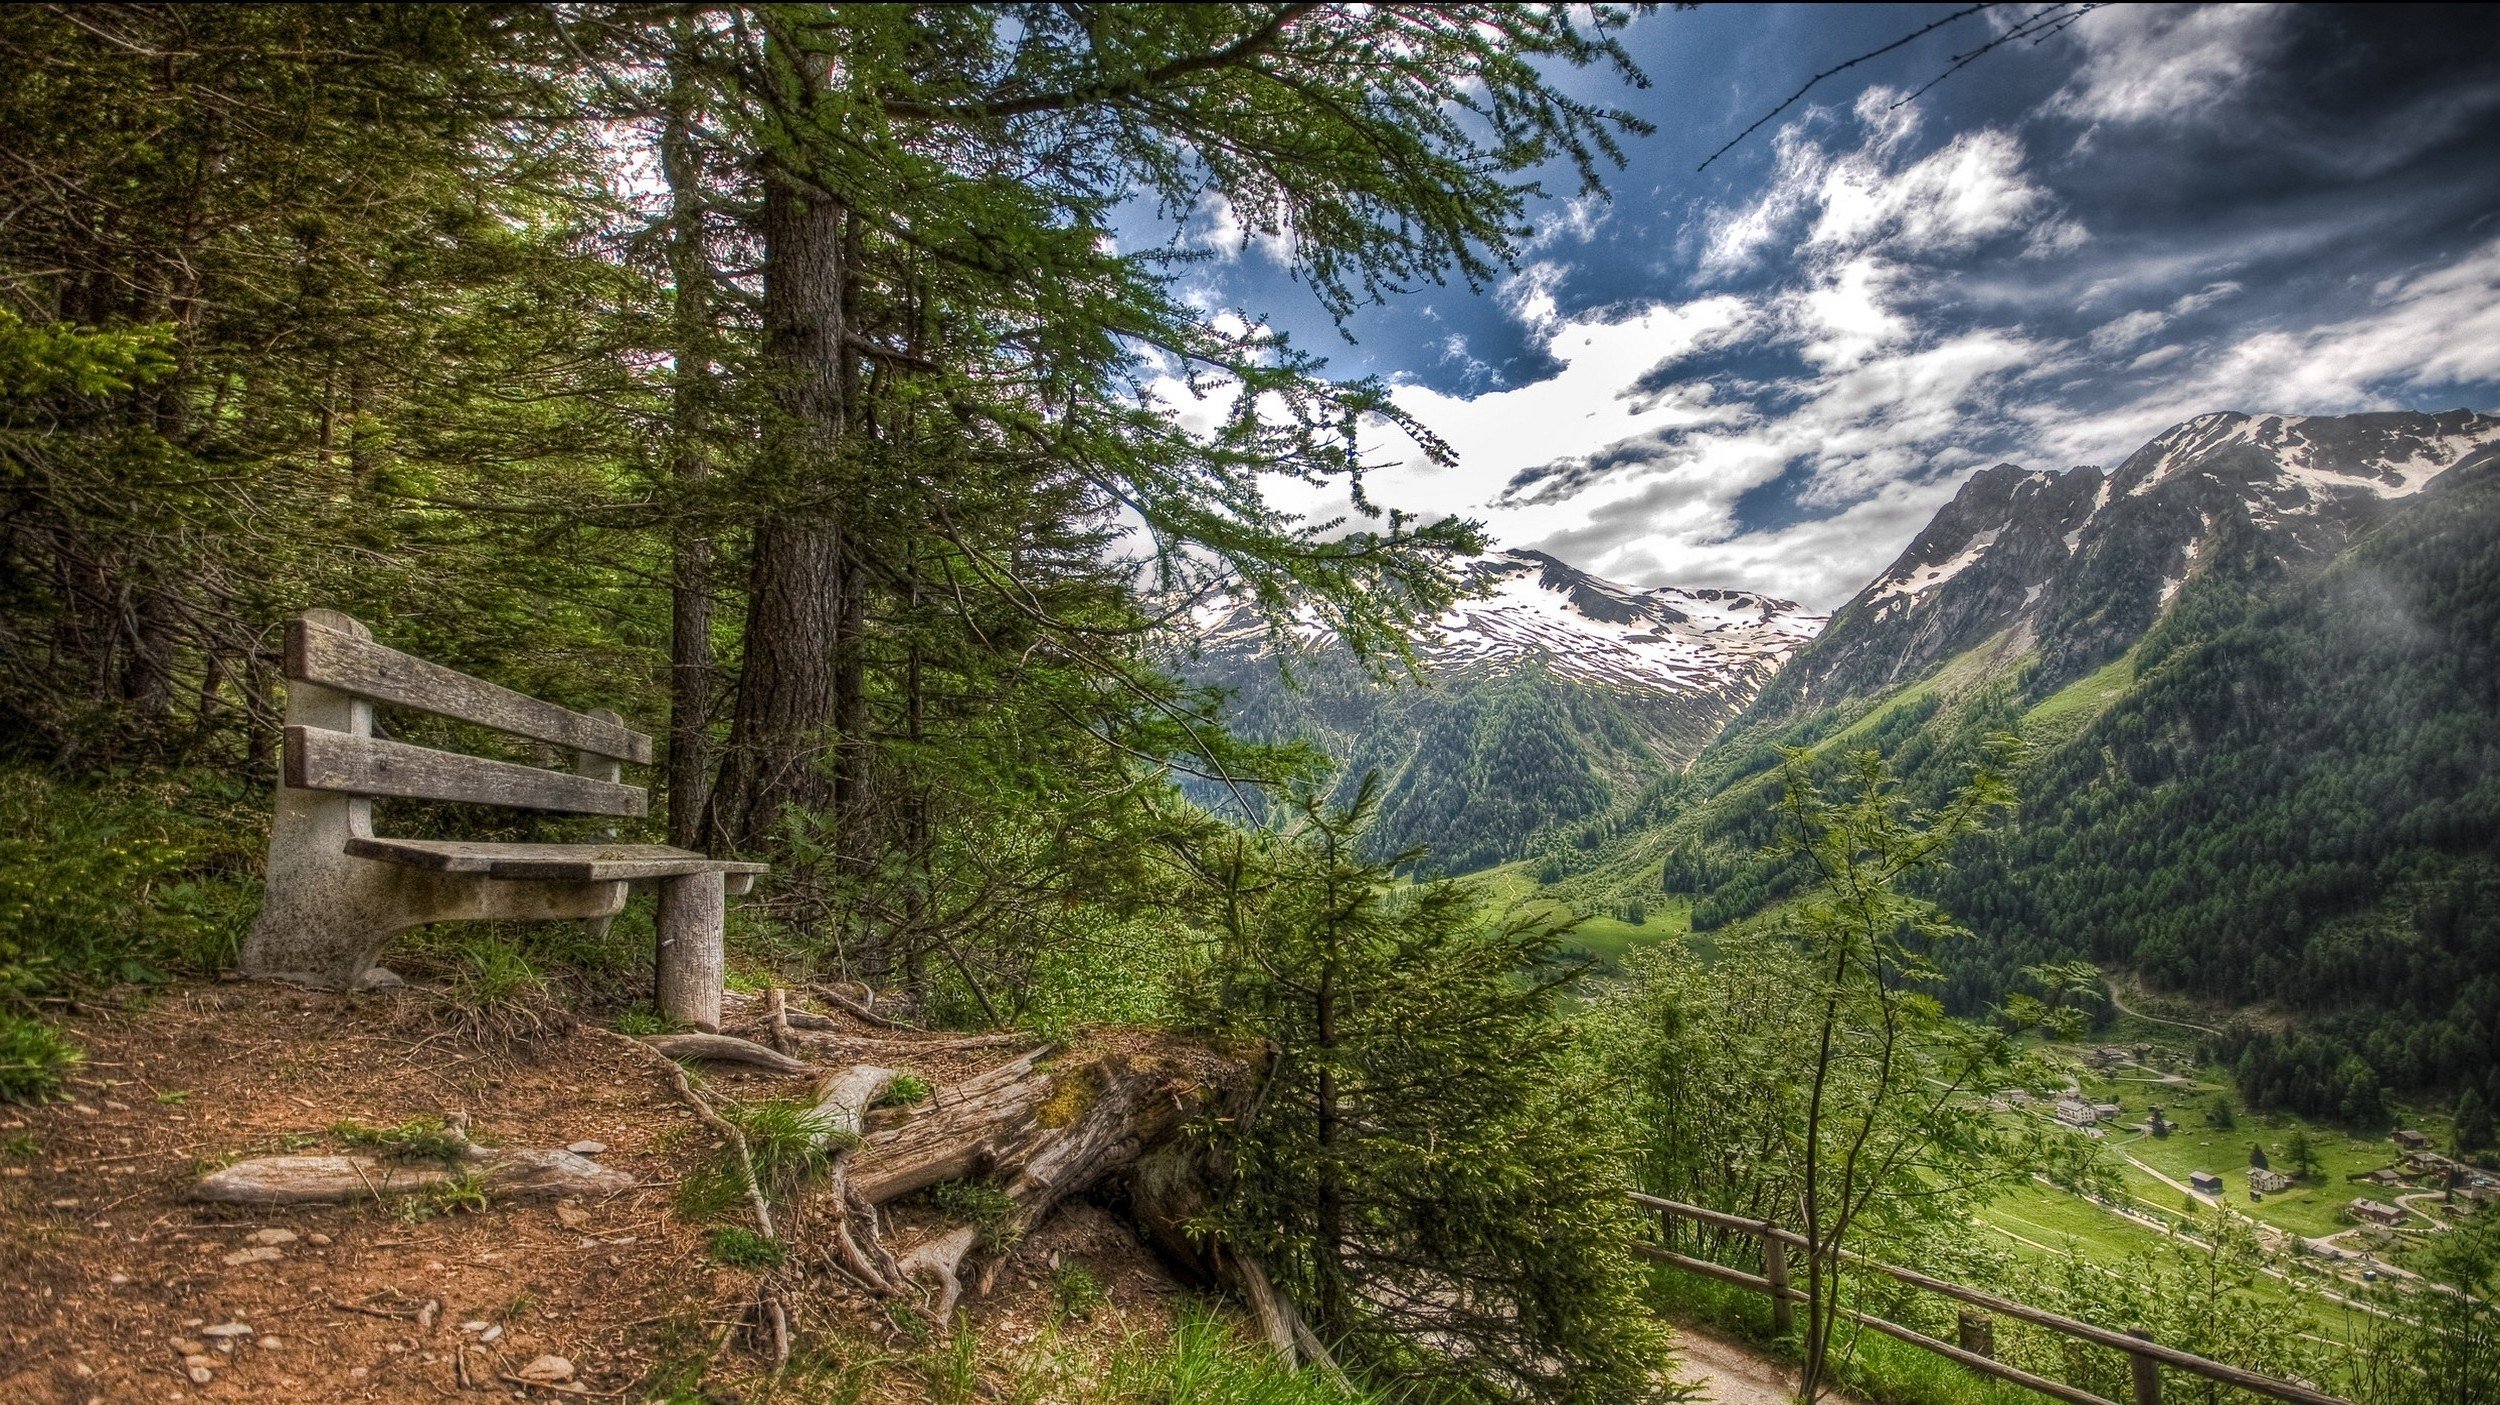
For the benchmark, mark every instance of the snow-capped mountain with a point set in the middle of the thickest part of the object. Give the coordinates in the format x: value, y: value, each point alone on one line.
x: 1636, y: 639
x: 2081, y: 563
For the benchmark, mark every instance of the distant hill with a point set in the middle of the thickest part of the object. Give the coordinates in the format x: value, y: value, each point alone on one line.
x: 1544, y: 699
x: 2258, y: 667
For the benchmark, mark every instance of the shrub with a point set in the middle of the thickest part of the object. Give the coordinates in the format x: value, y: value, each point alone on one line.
x: 980, y: 1204
x: 1079, y: 1293
x: 34, y: 1058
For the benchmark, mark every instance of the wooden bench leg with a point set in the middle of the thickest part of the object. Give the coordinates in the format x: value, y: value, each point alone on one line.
x: 691, y: 961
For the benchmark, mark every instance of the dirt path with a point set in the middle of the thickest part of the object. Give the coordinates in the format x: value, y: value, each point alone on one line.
x: 1731, y: 1373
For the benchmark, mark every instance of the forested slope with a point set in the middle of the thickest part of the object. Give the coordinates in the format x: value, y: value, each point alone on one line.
x: 2286, y: 793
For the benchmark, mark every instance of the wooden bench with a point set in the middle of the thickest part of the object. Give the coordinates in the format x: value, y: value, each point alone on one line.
x: 337, y: 891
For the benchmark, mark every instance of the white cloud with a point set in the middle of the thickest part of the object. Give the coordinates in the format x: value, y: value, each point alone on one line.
x: 2429, y: 328
x: 2148, y: 62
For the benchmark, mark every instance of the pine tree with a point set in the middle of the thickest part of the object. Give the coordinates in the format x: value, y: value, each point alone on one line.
x: 1422, y: 1172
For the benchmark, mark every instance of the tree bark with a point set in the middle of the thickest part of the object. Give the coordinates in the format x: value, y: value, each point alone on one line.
x: 690, y: 464
x: 787, y: 687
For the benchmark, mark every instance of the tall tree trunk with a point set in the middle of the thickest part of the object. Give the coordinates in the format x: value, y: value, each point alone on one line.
x: 795, y: 604
x: 690, y: 574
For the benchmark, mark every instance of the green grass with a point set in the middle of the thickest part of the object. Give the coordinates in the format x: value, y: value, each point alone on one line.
x: 417, y: 1139
x: 734, y: 1247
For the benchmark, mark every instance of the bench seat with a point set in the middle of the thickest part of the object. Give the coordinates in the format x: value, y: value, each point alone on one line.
x: 574, y: 862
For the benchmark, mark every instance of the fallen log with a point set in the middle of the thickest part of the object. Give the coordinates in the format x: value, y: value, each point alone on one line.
x: 335, y: 1180
x: 1041, y: 1130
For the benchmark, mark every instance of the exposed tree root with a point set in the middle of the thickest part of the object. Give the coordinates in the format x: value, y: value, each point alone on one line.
x: 725, y: 1048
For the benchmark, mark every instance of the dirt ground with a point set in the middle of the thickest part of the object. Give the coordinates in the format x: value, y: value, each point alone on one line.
x: 113, y: 1278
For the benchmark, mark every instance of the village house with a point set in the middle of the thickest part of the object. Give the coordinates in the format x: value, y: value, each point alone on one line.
x: 2411, y: 1140
x: 2075, y: 1112
x: 2376, y: 1212
x: 2267, y: 1181
x: 2204, y: 1182
x: 2385, y: 1175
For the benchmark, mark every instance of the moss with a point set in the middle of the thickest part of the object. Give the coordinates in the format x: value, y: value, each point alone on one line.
x: 744, y: 1248
x: 1072, y: 1091
x: 417, y: 1139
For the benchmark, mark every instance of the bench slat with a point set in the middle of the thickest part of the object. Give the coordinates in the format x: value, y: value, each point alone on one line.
x: 320, y: 759
x: 369, y: 670
x: 578, y: 862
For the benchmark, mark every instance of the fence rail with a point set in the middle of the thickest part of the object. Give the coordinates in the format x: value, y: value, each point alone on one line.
x: 1976, y: 1350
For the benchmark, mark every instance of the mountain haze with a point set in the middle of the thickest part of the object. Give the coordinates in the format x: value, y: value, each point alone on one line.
x: 1544, y: 698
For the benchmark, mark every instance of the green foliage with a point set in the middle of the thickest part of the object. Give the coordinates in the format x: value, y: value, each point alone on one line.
x: 906, y: 1089
x: 121, y: 879
x: 1423, y: 1165
x: 2220, y: 1114
x: 782, y: 1145
x: 2439, y: 1342
x: 641, y: 1020
x: 733, y: 1247
x: 465, y: 1194
x: 1075, y: 1289
x: 417, y: 1139
x: 34, y: 1059
x: 1208, y: 1362
x: 982, y: 1205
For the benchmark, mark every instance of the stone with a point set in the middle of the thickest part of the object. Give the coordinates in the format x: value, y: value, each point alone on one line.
x: 587, y: 1148
x: 546, y: 1370
x: 571, y: 1216
x: 261, y: 1255
x: 475, y: 1324
x: 184, y: 1346
x: 200, y: 1375
x: 118, y: 1279
x: 318, y: 1240
x: 269, y: 1343
x: 273, y: 1236
x: 227, y: 1329
x: 491, y: 1334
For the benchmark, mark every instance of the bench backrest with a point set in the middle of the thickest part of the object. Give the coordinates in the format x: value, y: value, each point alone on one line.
x: 329, y: 650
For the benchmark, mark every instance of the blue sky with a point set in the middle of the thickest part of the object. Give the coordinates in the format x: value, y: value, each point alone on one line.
x: 1769, y: 374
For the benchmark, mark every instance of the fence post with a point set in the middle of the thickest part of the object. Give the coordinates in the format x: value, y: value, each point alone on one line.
x: 1775, y: 1272
x: 1978, y: 1333
x: 2147, y: 1371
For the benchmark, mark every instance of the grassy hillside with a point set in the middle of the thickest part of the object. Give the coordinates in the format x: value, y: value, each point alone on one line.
x: 2287, y: 793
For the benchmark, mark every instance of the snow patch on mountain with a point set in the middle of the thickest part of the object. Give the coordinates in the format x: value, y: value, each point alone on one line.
x: 1641, y: 639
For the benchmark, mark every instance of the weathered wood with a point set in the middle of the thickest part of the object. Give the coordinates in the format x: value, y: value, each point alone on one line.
x: 807, y: 1029
x: 1977, y: 1332
x: 941, y: 1257
x: 332, y: 1180
x: 335, y: 659
x: 1775, y: 1273
x: 2136, y: 1346
x: 842, y: 1103
x: 691, y: 961
x: 554, y: 862
x: 319, y: 759
x: 726, y: 1048
x: 2145, y: 1371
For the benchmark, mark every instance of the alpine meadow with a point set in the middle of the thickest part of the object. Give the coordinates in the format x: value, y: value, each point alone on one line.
x: 1250, y: 704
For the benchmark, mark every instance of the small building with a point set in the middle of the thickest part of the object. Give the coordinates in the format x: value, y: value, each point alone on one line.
x: 2427, y: 1163
x: 2385, y: 1175
x: 2108, y: 1056
x: 2075, y: 1112
x: 2267, y: 1181
x: 2377, y: 1212
x: 2106, y: 1112
x: 2411, y: 1140
x: 2204, y: 1182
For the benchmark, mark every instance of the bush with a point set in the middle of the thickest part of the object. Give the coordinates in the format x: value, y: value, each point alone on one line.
x: 34, y: 1058
x: 417, y: 1139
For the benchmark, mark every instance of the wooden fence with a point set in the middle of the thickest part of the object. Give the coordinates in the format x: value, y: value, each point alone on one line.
x: 1976, y: 1349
